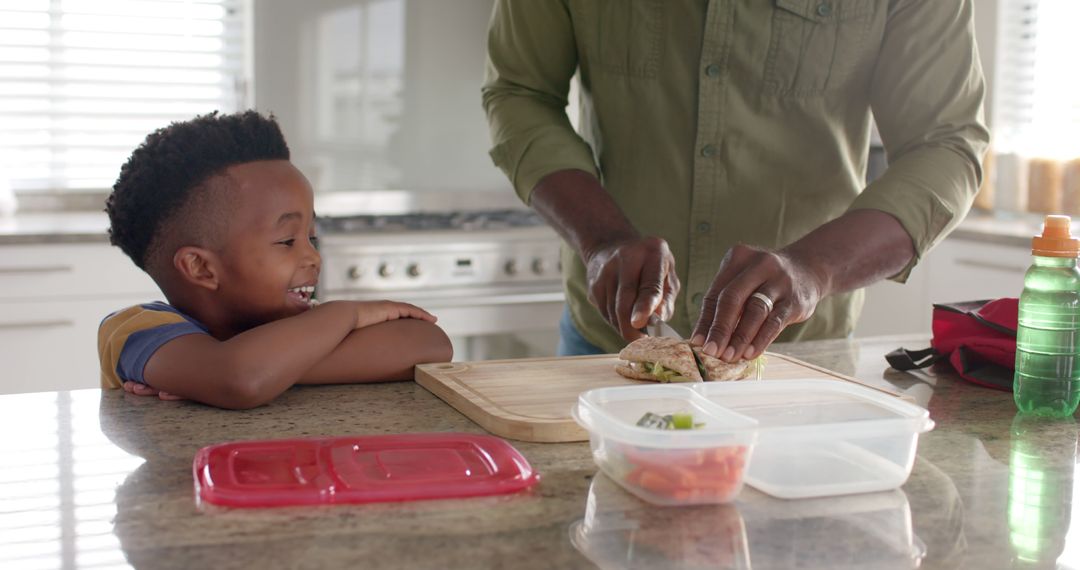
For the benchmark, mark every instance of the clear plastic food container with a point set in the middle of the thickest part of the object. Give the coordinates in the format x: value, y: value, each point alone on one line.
x: 705, y: 464
x: 821, y: 438
x: 807, y: 438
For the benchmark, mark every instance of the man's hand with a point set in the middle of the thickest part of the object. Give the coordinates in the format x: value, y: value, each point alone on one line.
x: 852, y: 251
x: 145, y: 390
x: 629, y: 276
x: 630, y: 280
x: 734, y: 324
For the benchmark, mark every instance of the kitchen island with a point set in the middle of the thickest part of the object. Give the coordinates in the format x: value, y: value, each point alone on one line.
x: 103, y: 479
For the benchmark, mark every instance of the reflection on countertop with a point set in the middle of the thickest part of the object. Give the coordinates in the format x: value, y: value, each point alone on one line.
x: 872, y: 530
x: 103, y: 479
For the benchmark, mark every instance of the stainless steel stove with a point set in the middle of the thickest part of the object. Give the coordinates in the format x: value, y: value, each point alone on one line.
x: 493, y: 277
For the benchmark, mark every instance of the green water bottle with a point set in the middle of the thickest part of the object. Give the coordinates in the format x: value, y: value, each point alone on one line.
x: 1047, y: 380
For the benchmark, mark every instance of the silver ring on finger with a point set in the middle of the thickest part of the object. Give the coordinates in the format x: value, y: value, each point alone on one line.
x: 765, y: 300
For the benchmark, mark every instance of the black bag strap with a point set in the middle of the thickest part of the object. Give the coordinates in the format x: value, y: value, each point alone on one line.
x: 904, y: 359
x: 971, y: 309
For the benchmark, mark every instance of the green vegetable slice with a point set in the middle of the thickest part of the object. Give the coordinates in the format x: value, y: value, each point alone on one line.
x: 678, y: 420
x: 682, y: 420
x: 665, y: 374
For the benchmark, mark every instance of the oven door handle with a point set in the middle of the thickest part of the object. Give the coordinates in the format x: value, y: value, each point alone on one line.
x: 489, y: 300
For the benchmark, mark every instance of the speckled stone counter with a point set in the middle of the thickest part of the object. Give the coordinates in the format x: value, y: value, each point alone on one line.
x: 89, y: 227
x: 57, y: 227
x: 103, y: 479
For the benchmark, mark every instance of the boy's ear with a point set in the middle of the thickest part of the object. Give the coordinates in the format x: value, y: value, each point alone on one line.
x: 197, y: 266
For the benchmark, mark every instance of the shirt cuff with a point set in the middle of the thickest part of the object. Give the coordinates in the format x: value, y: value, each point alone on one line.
x: 526, y: 159
x: 928, y: 194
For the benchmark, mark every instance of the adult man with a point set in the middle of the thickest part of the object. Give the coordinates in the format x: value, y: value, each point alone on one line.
x: 735, y: 132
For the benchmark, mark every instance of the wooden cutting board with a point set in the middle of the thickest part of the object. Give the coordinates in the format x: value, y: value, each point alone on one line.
x: 530, y: 399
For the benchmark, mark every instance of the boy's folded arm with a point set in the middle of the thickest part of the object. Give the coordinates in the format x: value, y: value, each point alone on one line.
x: 382, y: 352
x: 253, y: 367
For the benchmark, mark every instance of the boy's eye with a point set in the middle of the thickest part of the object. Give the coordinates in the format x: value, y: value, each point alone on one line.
x: 287, y: 242
x: 314, y: 240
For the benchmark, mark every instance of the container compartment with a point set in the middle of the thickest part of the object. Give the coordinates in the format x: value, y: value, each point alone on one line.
x: 821, y: 438
x: 667, y: 467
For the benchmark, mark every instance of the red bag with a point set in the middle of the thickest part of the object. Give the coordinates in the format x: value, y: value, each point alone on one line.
x: 977, y: 337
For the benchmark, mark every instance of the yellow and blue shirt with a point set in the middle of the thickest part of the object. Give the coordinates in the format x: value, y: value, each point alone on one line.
x: 129, y: 337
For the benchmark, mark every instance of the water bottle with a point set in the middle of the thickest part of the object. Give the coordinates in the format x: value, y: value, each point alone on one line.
x: 1047, y: 380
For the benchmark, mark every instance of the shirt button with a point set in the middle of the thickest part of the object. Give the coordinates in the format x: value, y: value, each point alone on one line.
x: 708, y: 151
x: 703, y: 227
x: 697, y: 298
x: 712, y: 70
x: 824, y: 9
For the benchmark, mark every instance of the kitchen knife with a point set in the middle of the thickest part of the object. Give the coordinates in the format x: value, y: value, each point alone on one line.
x: 659, y: 328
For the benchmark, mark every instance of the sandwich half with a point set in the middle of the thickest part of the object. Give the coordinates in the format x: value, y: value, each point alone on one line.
x: 661, y: 359
x: 714, y: 369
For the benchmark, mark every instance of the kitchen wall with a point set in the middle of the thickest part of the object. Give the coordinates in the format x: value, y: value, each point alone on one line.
x: 378, y: 94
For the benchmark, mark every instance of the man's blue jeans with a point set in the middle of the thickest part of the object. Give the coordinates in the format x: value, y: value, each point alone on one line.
x: 571, y: 343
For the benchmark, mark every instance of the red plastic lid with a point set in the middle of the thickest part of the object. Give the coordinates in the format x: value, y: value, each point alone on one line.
x: 359, y: 469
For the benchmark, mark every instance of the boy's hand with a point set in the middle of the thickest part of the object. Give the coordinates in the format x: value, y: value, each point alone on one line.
x: 374, y: 312
x: 144, y: 390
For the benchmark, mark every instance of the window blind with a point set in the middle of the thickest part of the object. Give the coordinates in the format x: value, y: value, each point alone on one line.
x: 82, y: 82
x: 1037, y: 91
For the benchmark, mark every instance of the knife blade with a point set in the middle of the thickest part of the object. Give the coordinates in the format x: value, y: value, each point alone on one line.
x: 659, y: 328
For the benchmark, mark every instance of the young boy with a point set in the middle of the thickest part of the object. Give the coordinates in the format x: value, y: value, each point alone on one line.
x: 215, y: 213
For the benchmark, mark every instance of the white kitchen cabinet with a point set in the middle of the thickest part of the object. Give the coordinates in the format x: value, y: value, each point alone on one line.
x: 896, y: 308
x: 966, y: 270
x: 52, y: 298
x: 958, y: 269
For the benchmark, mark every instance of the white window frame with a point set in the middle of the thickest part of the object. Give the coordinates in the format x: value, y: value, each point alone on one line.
x: 82, y: 82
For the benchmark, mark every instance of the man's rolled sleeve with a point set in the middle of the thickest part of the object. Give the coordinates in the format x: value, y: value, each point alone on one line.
x: 532, y: 55
x: 927, y: 97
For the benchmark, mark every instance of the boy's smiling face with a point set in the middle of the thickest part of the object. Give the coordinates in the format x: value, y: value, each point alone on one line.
x: 269, y: 262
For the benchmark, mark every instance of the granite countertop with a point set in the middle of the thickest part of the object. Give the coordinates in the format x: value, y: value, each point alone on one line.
x: 1012, y: 230
x: 54, y: 227
x: 89, y: 227
x: 104, y: 478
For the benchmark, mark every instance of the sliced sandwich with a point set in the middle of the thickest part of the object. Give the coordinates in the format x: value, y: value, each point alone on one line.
x: 662, y: 359
x: 659, y: 359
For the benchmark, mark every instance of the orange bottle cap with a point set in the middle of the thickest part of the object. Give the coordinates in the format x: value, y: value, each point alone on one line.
x: 1055, y: 241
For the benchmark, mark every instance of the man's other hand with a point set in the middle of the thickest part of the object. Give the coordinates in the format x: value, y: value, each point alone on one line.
x: 755, y: 295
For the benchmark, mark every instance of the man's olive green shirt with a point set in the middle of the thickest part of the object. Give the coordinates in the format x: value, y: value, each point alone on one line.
x: 716, y: 122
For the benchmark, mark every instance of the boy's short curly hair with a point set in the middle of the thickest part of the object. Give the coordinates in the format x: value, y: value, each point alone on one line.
x: 170, y: 170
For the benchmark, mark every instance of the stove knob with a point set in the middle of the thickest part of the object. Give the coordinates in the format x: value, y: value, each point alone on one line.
x: 355, y: 273
x: 511, y: 267
x: 385, y: 270
x: 413, y: 270
x: 539, y: 266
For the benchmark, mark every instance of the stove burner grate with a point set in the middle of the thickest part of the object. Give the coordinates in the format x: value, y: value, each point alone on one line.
x: 432, y: 221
